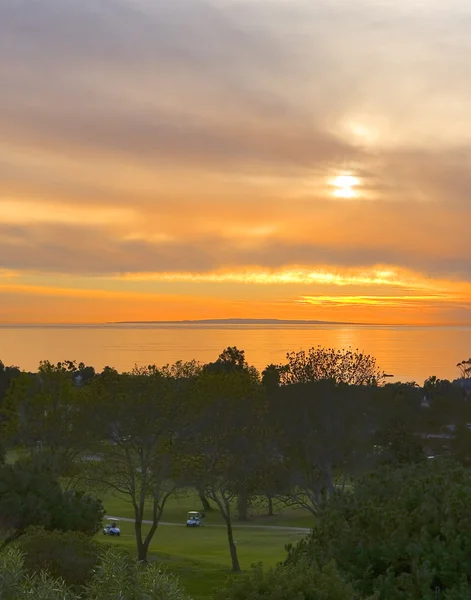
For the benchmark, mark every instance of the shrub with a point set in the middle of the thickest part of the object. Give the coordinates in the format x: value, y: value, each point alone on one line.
x: 16, y: 585
x: 302, y: 581
x: 120, y: 576
x: 403, y: 532
x: 71, y: 556
x: 117, y: 576
x: 30, y: 496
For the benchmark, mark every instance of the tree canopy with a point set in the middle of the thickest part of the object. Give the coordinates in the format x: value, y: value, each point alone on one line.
x: 31, y: 496
x: 403, y: 533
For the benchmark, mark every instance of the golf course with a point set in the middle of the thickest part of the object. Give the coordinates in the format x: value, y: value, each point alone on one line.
x: 200, y: 556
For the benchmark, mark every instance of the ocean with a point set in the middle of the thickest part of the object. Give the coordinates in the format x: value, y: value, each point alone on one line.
x: 408, y: 353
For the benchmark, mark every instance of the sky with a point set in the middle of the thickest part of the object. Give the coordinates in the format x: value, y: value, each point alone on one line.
x: 193, y: 159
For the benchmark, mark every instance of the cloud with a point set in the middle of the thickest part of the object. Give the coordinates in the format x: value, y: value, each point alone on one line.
x: 199, y: 137
x: 87, y: 249
x: 268, y: 82
x: 114, y: 79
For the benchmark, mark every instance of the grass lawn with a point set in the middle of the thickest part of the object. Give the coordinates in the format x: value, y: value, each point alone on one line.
x: 177, y: 507
x: 200, y: 556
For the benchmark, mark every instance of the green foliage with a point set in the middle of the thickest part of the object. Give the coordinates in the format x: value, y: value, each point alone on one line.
x: 289, y: 582
x: 7, y: 375
x: 398, y: 443
x: 30, y: 496
x: 15, y: 584
x: 221, y: 451
x: 69, y: 555
x: 231, y: 359
x: 403, y: 532
x: 300, y: 434
x: 119, y: 576
x: 77, y: 511
x: 116, y: 577
x: 138, y: 419
x: 320, y: 429
x: 45, y: 413
x: 342, y: 366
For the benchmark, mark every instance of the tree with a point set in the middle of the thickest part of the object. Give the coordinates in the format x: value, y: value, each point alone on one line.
x: 342, y: 366
x: 321, y: 431
x: 271, y: 378
x: 182, y: 370
x: 230, y: 359
x: 400, y: 430
x: 30, y: 496
x: 7, y: 375
x: 45, y: 413
x: 221, y: 447
x: 465, y: 368
x: 138, y: 419
x: 405, y: 532
x: 80, y: 374
x: 399, y: 444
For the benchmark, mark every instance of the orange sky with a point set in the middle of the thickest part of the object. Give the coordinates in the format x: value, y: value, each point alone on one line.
x: 188, y: 159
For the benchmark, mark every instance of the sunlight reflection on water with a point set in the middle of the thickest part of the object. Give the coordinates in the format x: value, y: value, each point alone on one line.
x: 410, y: 353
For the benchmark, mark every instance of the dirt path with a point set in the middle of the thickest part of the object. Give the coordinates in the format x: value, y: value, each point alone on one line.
x: 222, y: 526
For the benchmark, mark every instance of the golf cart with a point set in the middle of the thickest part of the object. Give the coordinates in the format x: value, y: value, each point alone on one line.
x: 195, y: 519
x: 111, y: 528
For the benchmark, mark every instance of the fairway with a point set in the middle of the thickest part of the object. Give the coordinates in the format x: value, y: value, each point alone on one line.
x: 177, y: 507
x: 210, y: 544
x: 200, y: 556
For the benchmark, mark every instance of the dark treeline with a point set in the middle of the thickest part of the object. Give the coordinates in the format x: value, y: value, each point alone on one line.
x: 295, y: 434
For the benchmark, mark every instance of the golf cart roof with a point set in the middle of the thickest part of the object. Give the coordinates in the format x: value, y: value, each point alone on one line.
x: 193, y: 512
x: 112, y: 519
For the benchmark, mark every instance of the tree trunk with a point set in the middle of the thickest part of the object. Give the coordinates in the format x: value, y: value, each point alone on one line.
x: 270, y: 505
x: 158, y: 504
x: 225, y: 510
x: 329, y: 479
x: 140, y: 545
x: 232, y: 547
x: 242, y: 506
x: 204, y: 501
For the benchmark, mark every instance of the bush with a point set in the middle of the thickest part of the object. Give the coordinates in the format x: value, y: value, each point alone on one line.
x: 30, y: 496
x: 78, y: 511
x: 120, y: 576
x: 289, y: 582
x: 16, y: 585
x: 116, y: 576
x: 403, y: 532
x: 71, y: 556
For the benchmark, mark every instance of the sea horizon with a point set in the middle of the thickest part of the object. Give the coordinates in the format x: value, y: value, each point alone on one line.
x: 409, y: 352
x: 229, y: 322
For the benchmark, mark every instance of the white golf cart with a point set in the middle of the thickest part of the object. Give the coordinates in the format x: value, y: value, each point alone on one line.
x: 111, y: 528
x: 195, y: 519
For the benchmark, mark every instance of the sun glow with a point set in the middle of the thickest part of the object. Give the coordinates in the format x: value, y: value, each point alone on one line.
x: 344, y: 186
x: 379, y: 276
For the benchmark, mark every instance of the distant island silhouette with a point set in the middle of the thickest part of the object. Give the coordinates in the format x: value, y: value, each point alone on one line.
x: 236, y: 322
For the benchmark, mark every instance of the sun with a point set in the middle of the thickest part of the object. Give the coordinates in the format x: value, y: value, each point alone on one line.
x: 344, y: 186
